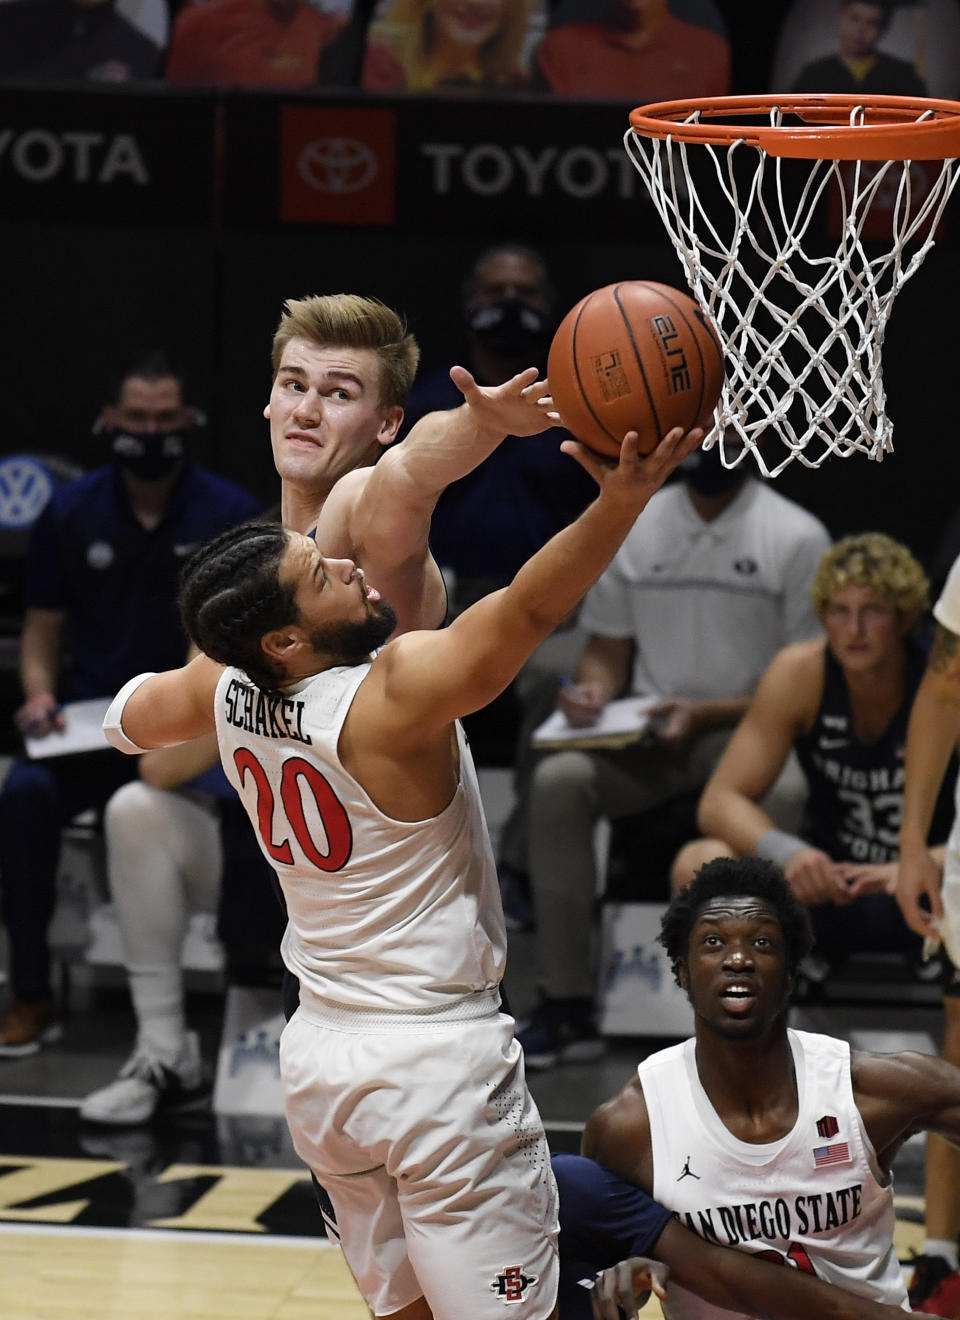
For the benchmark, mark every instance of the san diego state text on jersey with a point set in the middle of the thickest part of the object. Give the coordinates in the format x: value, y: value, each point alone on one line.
x: 815, y: 1213
x: 258, y: 712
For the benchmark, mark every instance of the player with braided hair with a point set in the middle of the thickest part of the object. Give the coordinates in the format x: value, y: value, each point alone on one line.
x: 403, y: 1081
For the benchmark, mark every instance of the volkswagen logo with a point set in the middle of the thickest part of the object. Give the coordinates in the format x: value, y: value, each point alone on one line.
x: 337, y: 165
x: 25, y: 487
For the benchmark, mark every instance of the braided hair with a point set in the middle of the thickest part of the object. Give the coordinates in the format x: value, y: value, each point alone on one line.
x: 231, y: 594
x: 741, y: 877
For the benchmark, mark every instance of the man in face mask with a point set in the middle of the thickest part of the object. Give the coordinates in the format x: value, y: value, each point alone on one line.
x: 102, y: 569
x: 707, y: 587
x: 491, y: 521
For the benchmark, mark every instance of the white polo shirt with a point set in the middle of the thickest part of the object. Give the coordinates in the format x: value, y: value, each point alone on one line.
x: 709, y: 604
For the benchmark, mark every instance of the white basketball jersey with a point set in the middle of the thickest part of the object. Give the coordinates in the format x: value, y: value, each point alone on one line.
x: 815, y: 1199
x: 389, y: 915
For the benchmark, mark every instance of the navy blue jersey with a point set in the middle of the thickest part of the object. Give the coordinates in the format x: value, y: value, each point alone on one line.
x: 602, y: 1221
x: 117, y: 582
x: 856, y: 788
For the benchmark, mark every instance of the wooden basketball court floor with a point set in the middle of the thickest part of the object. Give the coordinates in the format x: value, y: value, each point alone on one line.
x: 144, y: 1225
x: 212, y: 1217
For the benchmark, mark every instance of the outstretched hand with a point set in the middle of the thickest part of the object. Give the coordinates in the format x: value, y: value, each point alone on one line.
x: 626, y: 1287
x: 517, y: 407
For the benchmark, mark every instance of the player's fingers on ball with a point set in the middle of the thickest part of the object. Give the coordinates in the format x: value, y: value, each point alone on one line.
x: 629, y: 450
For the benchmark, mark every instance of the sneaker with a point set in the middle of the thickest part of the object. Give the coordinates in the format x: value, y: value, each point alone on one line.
x: 934, y: 1288
x: 561, y: 1031
x: 28, y: 1024
x: 148, y: 1085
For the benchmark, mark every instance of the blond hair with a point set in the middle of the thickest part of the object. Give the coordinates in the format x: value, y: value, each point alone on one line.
x: 879, y: 564
x: 407, y: 27
x: 347, y: 320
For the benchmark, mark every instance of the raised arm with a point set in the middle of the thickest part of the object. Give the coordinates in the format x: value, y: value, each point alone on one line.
x: 380, y: 516
x: 931, y: 736
x: 435, y: 678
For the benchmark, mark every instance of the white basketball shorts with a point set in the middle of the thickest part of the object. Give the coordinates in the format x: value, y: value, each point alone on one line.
x: 432, y: 1151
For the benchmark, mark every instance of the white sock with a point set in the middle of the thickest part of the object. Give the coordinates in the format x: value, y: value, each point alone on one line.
x: 942, y: 1247
x: 157, y: 994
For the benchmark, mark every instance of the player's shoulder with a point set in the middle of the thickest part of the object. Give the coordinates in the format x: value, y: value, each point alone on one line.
x: 621, y: 1117
x: 333, y: 520
x: 617, y: 1133
x: 799, y: 663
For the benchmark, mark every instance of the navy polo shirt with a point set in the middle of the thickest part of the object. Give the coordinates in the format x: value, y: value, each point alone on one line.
x: 117, y: 582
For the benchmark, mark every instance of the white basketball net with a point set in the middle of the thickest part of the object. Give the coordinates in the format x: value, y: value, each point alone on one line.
x: 802, y: 332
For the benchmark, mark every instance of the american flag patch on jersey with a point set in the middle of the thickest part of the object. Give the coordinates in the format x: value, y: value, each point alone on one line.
x: 838, y: 1153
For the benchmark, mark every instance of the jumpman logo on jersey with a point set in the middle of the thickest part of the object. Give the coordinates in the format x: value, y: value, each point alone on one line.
x: 687, y: 1172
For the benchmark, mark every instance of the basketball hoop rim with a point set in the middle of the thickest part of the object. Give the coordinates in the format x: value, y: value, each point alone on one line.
x: 894, y: 130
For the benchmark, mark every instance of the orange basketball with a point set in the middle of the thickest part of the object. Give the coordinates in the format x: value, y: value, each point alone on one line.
x: 634, y: 356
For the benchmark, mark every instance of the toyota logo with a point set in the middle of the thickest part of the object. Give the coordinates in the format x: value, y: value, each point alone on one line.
x: 337, y: 165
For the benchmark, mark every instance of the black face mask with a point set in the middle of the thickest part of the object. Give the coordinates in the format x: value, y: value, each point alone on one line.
x: 704, y: 472
x: 150, y: 455
x: 510, y: 328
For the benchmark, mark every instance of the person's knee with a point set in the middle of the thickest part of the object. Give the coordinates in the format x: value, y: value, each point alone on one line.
x: 691, y: 857
x: 131, y: 813
x: 560, y: 777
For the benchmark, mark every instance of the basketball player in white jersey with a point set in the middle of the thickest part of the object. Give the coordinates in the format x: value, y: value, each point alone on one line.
x: 772, y: 1141
x: 403, y: 1082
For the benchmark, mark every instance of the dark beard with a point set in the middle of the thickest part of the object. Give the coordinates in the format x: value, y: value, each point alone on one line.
x: 352, y: 643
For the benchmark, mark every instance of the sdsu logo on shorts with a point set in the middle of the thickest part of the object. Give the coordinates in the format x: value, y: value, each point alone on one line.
x: 511, y: 1284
